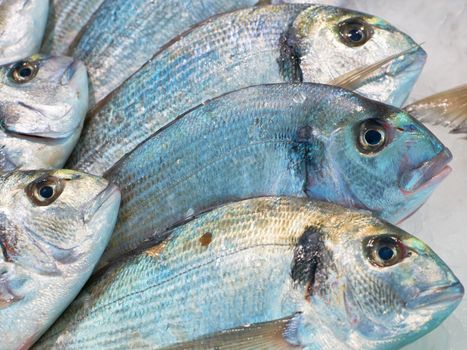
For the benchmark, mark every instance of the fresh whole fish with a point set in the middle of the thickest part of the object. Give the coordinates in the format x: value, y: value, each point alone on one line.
x: 54, y: 226
x: 66, y: 19
x: 270, y: 44
x: 142, y: 27
x: 22, y: 26
x: 344, y: 279
x: 289, y: 140
x: 43, y: 103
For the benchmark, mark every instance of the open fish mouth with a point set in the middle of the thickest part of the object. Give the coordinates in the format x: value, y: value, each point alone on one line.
x: 438, y: 296
x: 429, y: 174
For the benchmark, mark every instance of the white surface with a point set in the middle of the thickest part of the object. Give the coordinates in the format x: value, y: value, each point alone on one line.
x: 442, y: 28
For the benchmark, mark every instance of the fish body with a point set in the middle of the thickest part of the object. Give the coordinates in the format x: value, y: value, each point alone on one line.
x: 66, y: 19
x: 270, y: 44
x: 43, y: 103
x: 264, y: 259
x: 54, y: 228
x: 142, y: 28
x: 289, y: 140
x: 22, y: 26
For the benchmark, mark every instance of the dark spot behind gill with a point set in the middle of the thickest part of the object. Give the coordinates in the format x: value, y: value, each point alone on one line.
x: 312, y: 154
x: 307, y: 259
x: 289, y: 59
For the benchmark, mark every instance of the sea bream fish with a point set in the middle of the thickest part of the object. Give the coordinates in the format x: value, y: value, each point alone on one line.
x: 269, y: 44
x: 66, y: 19
x: 22, y: 26
x: 43, y: 102
x: 302, y: 140
x: 142, y: 28
x: 343, y: 279
x: 54, y: 226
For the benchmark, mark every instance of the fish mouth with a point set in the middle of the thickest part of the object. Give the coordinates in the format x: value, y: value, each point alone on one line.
x: 44, y: 138
x: 106, y: 198
x: 428, y: 174
x: 439, y: 296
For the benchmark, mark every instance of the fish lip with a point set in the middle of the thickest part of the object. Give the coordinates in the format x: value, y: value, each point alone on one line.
x: 51, y: 135
x: 43, y: 138
x: 107, y: 195
x: 438, y: 296
x: 428, y: 174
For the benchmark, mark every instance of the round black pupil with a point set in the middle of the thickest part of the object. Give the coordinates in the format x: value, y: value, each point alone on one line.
x: 373, y: 137
x: 46, y: 192
x: 385, y: 253
x: 25, y: 72
x: 355, y: 35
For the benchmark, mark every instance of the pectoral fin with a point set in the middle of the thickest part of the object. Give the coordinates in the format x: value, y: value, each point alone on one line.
x: 261, y: 336
x: 448, y: 108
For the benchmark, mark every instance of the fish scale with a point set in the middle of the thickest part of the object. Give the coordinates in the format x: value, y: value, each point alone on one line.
x: 66, y: 19
x: 264, y: 140
x: 213, y: 58
x: 142, y: 27
x: 248, y: 263
x: 226, y: 146
x: 181, y: 274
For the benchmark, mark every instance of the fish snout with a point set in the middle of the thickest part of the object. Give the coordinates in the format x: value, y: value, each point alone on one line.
x: 439, y: 297
x: 428, y: 174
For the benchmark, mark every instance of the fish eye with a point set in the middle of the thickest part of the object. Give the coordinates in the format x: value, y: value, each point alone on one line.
x: 385, y: 250
x: 24, y: 72
x: 355, y: 32
x: 372, y: 136
x: 45, y: 190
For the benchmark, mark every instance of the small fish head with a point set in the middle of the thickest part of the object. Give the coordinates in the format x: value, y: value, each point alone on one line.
x: 22, y: 24
x: 56, y: 222
x: 42, y: 109
x: 342, y: 41
x: 396, y: 288
x: 385, y: 161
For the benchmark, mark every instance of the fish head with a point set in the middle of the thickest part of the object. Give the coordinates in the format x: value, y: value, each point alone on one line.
x: 22, y: 26
x: 373, y: 285
x: 331, y: 42
x: 43, y: 103
x: 382, y: 159
x: 56, y: 223
x: 395, y: 289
